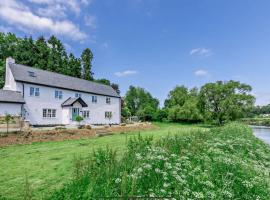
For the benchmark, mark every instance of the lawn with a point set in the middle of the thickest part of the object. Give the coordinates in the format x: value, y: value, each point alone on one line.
x: 48, y: 165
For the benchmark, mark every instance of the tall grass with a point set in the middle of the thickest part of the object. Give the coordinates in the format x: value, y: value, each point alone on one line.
x: 224, y: 163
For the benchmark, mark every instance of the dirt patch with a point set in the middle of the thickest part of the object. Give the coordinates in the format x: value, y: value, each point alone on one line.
x: 28, y: 137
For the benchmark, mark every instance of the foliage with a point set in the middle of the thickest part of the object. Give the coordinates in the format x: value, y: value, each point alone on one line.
x: 125, y: 112
x: 259, y: 110
x: 87, y: 57
x: 140, y: 102
x: 257, y: 121
x: 8, y: 119
x: 225, y: 101
x: 182, y: 105
x: 161, y: 115
x: 224, y: 163
x: 79, y: 119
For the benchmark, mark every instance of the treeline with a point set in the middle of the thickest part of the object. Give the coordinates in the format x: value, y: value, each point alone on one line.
x: 217, y: 103
x: 260, y: 110
x: 48, y: 55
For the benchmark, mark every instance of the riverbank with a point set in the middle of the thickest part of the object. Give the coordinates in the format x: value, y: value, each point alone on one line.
x: 257, y: 121
x: 221, y: 163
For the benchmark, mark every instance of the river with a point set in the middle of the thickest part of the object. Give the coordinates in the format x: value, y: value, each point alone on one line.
x: 262, y: 132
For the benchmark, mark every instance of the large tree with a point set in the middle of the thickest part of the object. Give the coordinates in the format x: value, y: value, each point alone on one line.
x: 57, y: 61
x: 42, y: 53
x: 140, y: 102
x: 182, y: 105
x: 74, y: 66
x: 87, y: 57
x: 225, y: 101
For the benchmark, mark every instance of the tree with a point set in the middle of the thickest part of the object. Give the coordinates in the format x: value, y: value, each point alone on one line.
x: 116, y: 88
x: 140, y: 102
x: 57, y: 60
x: 182, y: 105
x: 225, y: 101
x: 87, y: 57
x: 177, y: 96
x: 42, y: 53
x: 103, y: 81
x: 74, y: 66
x: 8, y: 118
x: 25, y: 52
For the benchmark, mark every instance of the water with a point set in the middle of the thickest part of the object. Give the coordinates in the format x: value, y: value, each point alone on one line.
x: 262, y: 133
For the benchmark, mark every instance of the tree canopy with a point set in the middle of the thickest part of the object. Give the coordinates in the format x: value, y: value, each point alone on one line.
x: 225, y: 101
x: 141, y: 103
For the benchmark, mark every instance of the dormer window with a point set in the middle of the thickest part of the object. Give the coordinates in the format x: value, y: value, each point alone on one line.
x: 31, y: 74
x: 78, y: 95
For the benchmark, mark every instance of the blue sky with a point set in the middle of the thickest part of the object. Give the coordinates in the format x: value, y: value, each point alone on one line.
x: 157, y: 44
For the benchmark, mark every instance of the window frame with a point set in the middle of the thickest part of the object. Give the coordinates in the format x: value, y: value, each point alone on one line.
x: 94, y: 99
x: 34, y: 91
x: 58, y: 94
x: 77, y: 95
x: 86, y: 114
x: 49, y: 113
x: 108, y: 100
x: 108, y: 114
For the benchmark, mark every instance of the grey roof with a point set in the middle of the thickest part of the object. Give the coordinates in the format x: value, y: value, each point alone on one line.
x: 71, y: 100
x: 42, y: 77
x: 11, y: 96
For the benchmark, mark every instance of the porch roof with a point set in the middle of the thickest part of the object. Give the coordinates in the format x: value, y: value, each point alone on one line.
x: 71, y: 100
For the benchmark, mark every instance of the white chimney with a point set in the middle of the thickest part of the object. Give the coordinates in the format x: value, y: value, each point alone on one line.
x: 9, y: 79
x: 10, y: 60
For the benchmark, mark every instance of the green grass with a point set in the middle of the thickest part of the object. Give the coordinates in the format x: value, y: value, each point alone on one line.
x: 50, y: 164
x: 221, y: 163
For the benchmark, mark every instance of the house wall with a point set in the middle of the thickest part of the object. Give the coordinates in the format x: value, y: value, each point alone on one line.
x: 10, y: 108
x: 34, y: 106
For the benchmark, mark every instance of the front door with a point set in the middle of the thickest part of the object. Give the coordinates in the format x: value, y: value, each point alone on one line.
x: 75, y: 113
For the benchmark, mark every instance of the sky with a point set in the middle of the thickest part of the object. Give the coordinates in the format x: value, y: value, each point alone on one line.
x: 156, y: 44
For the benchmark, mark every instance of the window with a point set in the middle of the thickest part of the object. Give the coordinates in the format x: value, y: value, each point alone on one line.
x: 94, y: 99
x: 49, y: 113
x: 86, y: 114
x: 58, y: 94
x: 34, y: 91
x: 78, y: 95
x: 108, y: 114
x: 108, y: 100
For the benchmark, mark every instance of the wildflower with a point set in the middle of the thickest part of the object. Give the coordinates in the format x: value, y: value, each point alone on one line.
x: 118, y: 180
x: 165, y: 185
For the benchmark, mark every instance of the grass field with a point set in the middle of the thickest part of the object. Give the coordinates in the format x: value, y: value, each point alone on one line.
x: 44, y: 167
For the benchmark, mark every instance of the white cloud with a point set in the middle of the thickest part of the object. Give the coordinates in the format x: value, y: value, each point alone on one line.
x: 72, y: 5
x: 90, y: 21
x: 201, y: 52
x: 19, y: 15
x: 201, y: 73
x: 125, y: 73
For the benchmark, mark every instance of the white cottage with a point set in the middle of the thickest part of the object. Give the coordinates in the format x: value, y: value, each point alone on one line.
x: 47, y: 98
